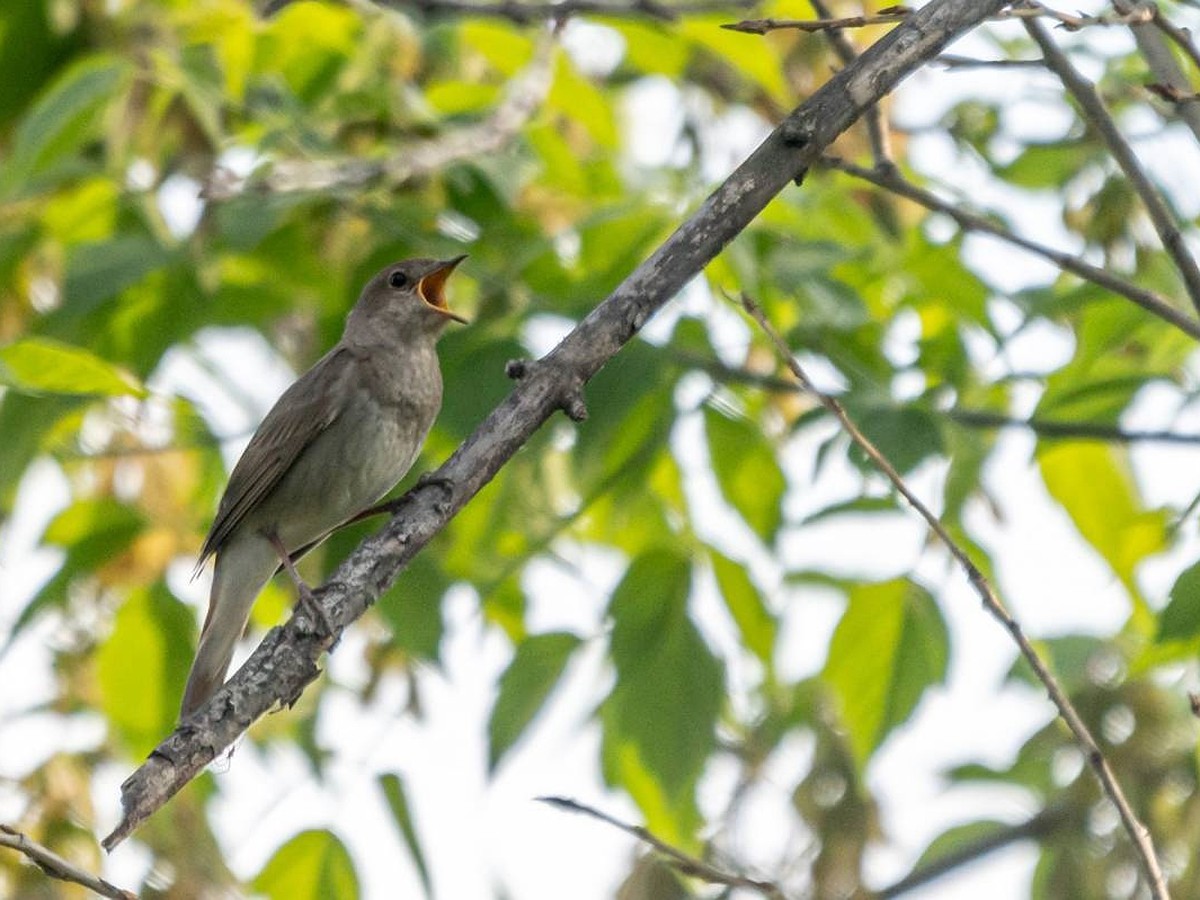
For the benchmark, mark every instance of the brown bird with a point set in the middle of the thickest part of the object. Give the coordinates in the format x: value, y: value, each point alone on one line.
x: 336, y: 441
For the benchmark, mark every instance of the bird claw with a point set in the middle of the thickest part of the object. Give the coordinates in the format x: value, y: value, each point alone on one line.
x: 427, y: 479
x: 432, y: 479
x: 309, y: 603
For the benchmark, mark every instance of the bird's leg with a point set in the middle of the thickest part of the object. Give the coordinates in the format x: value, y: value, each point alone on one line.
x: 307, y: 600
x: 391, y: 507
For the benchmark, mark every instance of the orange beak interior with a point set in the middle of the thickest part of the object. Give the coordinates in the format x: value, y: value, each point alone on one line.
x: 432, y: 288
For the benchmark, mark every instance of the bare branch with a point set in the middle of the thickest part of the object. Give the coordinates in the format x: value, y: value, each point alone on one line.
x: 1097, y: 116
x: 1045, y: 823
x: 58, y: 868
x: 286, y: 659
x: 1055, y: 428
x: 1153, y: 46
x: 954, y: 62
x: 685, y: 863
x: 970, y: 418
x: 1151, y: 301
x: 1139, y: 14
x: 413, y: 161
x: 1137, y: 832
x: 877, y: 130
x: 1181, y: 36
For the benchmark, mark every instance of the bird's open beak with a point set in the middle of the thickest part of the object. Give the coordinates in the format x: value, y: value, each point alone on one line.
x: 432, y: 287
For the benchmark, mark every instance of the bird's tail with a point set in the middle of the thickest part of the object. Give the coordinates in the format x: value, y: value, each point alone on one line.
x: 242, y: 569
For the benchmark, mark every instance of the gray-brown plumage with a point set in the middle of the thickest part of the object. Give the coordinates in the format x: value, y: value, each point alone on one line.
x: 333, y: 444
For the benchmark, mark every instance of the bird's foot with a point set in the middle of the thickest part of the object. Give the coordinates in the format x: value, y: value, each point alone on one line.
x: 432, y: 479
x: 312, y: 606
x: 428, y: 479
x: 307, y: 599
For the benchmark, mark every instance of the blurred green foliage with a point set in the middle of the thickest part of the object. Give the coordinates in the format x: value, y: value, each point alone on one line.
x: 114, y: 117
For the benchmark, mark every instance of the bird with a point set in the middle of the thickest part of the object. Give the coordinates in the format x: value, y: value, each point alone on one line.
x: 334, y: 443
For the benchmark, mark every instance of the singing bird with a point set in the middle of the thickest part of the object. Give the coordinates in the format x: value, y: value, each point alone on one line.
x: 336, y: 441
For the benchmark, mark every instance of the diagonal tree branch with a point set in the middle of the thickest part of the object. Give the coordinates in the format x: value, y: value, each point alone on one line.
x: 1140, y: 14
x: 286, y: 660
x: 1058, y: 428
x: 968, y: 417
x: 58, y: 868
x: 890, y: 179
x: 1047, y: 822
x: 685, y: 863
x: 1138, y: 833
x: 1097, y: 116
x: 877, y: 126
x: 1152, y: 43
x: 521, y: 100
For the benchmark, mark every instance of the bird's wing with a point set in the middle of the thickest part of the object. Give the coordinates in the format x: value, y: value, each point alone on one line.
x: 305, y: 410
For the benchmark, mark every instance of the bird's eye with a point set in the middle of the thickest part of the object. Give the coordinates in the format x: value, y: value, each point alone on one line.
x: 398, y: 279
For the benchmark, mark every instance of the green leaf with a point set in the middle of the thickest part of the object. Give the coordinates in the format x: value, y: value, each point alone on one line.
x: 455, y: 98
x: 32, y: 47
x: 906, y: 437
x: 1180, y: 620
x: 314, y: 865
x: 40, y: 365
x: 526, y: 683
x: 759, y: 64
x: 747, y: 471
x: 25, y: 422
x: 954, y: 840
x: 66, y: 116
x: 140, y: 669
x: 92, y: 532
x: 660, y: 718
x: 98, y: 271
x: 755, y: 622
x: 889, y: 647
x: 1047, y: 166
x: 506, y: 49
x: 1071, y: 659
x: 308, y: 44
x: 413, y: 607
x: 612, y: 243
x: 651, y: 49
x: 1071, y: 396
x: 397, y: 800
x: 863, y: 507
x: 574, y: 96
x: 1093, y: 483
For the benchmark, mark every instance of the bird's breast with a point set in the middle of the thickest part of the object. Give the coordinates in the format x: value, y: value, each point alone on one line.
x: 363, y: 453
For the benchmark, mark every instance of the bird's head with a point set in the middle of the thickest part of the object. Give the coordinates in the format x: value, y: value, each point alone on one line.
x: 405, y: 299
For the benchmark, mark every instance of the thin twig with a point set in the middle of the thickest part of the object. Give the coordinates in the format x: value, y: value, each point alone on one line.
x: 1137, y: 832
x: 1141, y: 14
x: 966, y: 416
x: 1098, y: 117
x: 954, y: 62
x: 1172, y: 84
x: 1151, y: 301
x: 1181, y: 36
x: 418, y: 160
x: 685, y: 863
x: 1045, y: 823
x: 877, y: 131
x: 58, y: 868
x: 1054, y: 428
